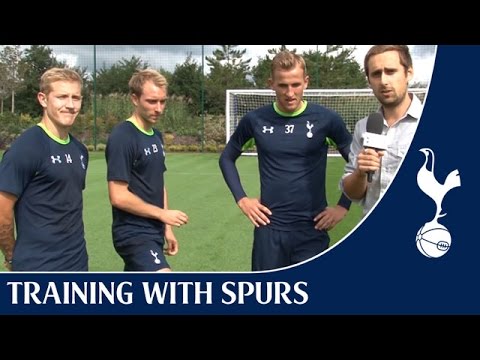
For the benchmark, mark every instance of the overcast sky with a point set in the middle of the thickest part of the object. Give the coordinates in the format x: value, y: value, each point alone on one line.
x: 167, y: 56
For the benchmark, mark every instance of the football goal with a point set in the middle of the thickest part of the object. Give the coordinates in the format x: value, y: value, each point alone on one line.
x: 351, y: 104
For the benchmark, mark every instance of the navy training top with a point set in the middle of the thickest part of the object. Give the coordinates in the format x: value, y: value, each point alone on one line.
x: 47, y: 175
x: 292, y: 158
x: 137, y: 158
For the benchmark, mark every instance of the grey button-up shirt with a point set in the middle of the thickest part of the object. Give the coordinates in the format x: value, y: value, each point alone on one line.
x: 398, y: 137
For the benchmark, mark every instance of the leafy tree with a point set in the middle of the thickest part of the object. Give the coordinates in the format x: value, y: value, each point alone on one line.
x: 186, y: 81
x: 262, y: 71
x: 229, y: 57
x: 228, y: 70
x: 10, y: 74
x: 114, y: 80
x: 275, y: 51
x: 168, y: 75
x: 36, y: 60
x: 336, y: 68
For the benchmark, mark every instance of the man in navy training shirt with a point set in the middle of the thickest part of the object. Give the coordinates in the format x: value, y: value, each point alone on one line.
x: 142, y: 223
x: 42, y: 176
x: 291, y: 217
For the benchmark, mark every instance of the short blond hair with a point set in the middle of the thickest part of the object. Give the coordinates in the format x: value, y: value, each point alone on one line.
x: 287, y: 60
x: 140, y: 77
x: 58, y: 74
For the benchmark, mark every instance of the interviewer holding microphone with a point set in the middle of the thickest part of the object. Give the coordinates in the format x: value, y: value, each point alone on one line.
x: 388, y: 69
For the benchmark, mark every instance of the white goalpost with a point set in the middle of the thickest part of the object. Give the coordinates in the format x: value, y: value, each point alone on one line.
x: 351, y: 104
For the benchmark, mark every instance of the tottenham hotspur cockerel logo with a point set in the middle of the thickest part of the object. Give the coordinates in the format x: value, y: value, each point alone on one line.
x: 433, y: 239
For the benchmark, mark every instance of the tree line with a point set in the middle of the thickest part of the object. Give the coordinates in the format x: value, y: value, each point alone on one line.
x: 199, y: 90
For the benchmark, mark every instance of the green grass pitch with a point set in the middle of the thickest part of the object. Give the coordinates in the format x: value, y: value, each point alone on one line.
x: 218, y: 236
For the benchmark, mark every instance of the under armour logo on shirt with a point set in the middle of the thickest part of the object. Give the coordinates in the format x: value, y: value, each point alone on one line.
x: 270, y: 130
x: 56, y: 159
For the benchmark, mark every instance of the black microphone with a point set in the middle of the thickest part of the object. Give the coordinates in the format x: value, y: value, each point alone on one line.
x: 373, y: 138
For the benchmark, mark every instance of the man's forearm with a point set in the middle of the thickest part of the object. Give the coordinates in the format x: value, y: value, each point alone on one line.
x: 7, y: 239
x: 355, y: 185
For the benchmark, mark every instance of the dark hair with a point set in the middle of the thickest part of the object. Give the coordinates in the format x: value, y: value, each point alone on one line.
x: 403, y: 53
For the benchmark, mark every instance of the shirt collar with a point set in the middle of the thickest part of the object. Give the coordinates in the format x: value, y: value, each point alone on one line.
x: 416, y: 108
x: 414, y: 111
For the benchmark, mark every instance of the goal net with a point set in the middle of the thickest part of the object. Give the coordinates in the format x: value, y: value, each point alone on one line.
x: 351, y: 104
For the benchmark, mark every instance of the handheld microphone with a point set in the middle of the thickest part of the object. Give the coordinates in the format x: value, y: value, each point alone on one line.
x: 373, y: 138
